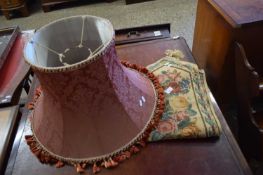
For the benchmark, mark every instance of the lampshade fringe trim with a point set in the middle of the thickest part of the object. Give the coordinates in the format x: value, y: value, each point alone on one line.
x: 111, y: 161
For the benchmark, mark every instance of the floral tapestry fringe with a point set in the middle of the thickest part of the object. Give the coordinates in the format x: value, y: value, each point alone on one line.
x: 113, y: 161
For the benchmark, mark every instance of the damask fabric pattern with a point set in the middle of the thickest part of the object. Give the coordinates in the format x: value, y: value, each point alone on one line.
x: 188, y: 112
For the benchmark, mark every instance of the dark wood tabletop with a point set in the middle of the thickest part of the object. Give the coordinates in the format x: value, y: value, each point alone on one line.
x: 211, y: 156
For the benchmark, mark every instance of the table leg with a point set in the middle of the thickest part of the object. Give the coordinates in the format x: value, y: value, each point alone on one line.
x: 6, y: 14
x: 24, y: 11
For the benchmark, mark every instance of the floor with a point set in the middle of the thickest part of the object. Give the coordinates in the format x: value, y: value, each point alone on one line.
x: 181, y: 15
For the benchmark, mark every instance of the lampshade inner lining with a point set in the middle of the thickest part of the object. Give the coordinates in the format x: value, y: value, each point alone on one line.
x: 68, y: 41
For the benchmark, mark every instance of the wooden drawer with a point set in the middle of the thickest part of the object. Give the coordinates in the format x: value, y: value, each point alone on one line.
x: 143, y: 33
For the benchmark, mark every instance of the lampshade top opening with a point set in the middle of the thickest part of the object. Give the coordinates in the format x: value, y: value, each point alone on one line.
x: 68, y: 42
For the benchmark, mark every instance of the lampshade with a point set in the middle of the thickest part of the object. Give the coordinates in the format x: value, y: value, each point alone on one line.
x: 91, y: 109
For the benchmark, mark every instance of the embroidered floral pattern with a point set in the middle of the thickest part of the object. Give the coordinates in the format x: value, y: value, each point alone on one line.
x: 188, y: 110
x: 166, y: 126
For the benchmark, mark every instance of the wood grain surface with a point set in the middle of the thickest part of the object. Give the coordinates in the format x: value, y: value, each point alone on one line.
x: 213, y: 156
x: 8, y: 118
x: 219, y: 23
x: 239, y: 12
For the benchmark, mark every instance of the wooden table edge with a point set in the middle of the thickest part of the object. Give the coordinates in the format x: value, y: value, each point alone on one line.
x: 10, y: 135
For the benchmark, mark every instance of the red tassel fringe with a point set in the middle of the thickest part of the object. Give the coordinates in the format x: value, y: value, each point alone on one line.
x: 46, y: 158
x: 37, y: 94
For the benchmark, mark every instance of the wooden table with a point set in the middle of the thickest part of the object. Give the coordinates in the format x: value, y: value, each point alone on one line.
x: 215, y: 156
x: 8, y: 6
x: 218, y: 24
x: 8, y: 121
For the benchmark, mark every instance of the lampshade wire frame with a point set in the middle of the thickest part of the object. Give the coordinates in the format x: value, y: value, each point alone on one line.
x: 82, y: 32
x: 36, y: 54
x: 61, y: 55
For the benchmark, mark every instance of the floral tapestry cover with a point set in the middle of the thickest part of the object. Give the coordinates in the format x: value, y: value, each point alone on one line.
x: 189, y: 112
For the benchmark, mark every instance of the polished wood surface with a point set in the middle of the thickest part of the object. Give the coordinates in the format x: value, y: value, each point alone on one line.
x: 251, y: 38
x: 145, y: 53
x: 212, y: 40
x: 47, y: 5
x: 215, y: 156
x: 249, y: 94
x: 8, y: 6
x: 145, y: 33
x: 218, y: 24
x: 239, y: 12
x: 8, y: 118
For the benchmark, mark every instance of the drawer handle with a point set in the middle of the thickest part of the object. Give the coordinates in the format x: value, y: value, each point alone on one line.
x: 133, y: 33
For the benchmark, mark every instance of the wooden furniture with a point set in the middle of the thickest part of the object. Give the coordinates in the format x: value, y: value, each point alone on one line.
x: 135, y: 1
x: 139, y: 34
x: 249, y: 92
x: 14, y: 72
x: 7, y: 39
x: 218, y: 24
x: 48, y: 4
x: 13, y: 75
x: 8, y: 121
x: 8, y: 6
x: 195, y: 156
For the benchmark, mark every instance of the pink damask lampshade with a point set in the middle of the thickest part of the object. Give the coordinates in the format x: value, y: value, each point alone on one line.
x: 92, y: 108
